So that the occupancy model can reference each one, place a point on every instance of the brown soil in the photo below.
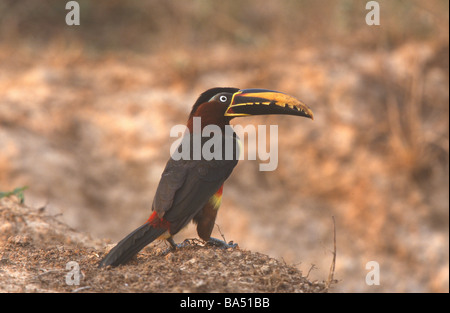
(36, 251)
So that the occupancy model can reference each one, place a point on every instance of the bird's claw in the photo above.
(222, 244)
(173, 246)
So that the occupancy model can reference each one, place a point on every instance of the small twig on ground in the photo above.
(220, 232)
(330, 279)
(46, 272)
(81, 289)
(313, 267)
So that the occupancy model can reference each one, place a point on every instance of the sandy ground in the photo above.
(41, 254)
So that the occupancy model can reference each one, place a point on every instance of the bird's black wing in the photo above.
(187, 185)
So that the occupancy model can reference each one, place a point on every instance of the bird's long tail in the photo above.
(135, 242)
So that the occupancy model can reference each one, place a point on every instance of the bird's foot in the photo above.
(191, 242)
(222, 244)
(173, 246)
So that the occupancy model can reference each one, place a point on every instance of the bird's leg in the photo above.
(172, 243)
(174, 246)
(221, 244)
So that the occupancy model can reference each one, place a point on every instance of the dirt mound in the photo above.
(41, 254)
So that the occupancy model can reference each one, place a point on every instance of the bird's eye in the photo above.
(223, 98)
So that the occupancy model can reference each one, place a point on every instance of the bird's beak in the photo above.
(248, 102)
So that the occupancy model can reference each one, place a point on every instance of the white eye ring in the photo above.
(223, 98)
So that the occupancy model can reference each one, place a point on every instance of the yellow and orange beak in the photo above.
(249, 102)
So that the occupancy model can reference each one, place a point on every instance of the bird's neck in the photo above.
(209, 115)
(201, 123)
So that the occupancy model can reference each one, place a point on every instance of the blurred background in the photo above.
(85, 115)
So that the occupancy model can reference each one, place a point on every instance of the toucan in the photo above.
(191, 187)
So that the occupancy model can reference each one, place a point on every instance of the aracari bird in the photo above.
(190, 189)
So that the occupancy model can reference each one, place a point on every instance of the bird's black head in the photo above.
(210, 93)
(219, 105)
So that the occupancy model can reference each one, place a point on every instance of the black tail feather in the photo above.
(131, 245)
